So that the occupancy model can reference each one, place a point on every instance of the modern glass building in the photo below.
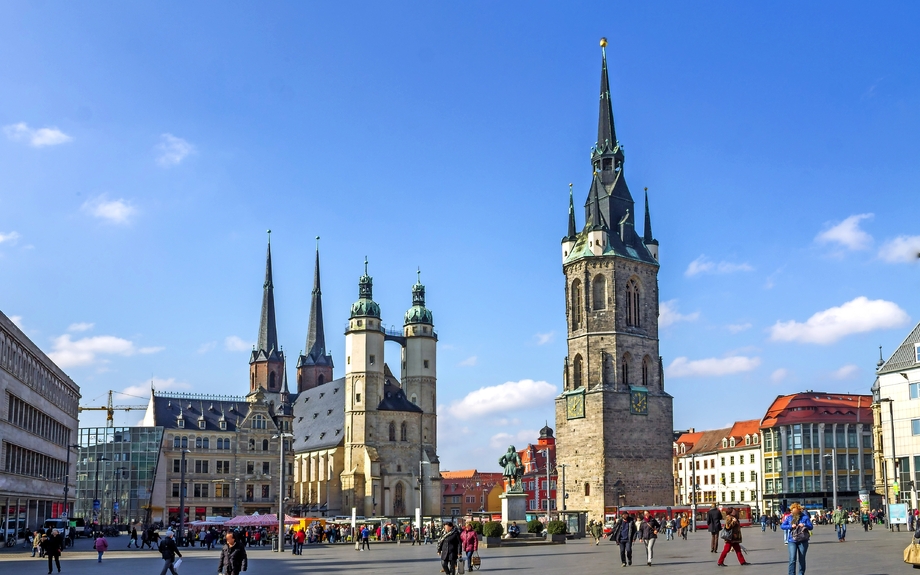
(116, 467)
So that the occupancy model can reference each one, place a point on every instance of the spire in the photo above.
(316, 338)
(606, 134)
(647, 236)
(268, 334)
(572, 235)
(597, 222)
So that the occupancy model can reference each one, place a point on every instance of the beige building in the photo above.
(38, 423)
(613, 419)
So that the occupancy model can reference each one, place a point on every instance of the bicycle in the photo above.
(11, 540)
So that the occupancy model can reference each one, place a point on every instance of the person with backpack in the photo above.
(169, 551)
(648, 534)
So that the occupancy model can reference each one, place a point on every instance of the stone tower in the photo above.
(315, 367)
(266, 364)
(613, 418)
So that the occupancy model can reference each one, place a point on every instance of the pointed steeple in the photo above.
(597, 220)
(647, 235)
(268, 333)
(316, 338)
(606, 133)
(573, 234)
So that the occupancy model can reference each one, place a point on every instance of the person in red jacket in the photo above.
(469, 543)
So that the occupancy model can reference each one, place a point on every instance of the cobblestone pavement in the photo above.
(877, 552)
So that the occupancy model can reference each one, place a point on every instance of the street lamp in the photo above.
(564, 494)
(117, 473)
(96, 506)
(546, 455)
(894, 461)
(833, 457)
(182, 497)
(281, 437)
(67, 478)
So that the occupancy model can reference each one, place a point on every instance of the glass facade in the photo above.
(117, 467)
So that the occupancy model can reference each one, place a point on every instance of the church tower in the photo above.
(266, 364)
(614, 420)
(315, 368)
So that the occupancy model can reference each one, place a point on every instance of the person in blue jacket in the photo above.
(798, 527)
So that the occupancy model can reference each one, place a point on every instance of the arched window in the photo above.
(632, 303)
(271, 380)
(576, 304)
(197, 443)
(320, 380)
(264, 445)
(587, 489)
(399, 506)
(645, 371)
(402, 432)
(576, 372)
(177, 442)
(184, 442)
(624, 369)
(252, 445)
(599, 292)
(392, 431)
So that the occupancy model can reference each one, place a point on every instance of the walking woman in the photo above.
(469, 542)
(732, 524)
(100, 545)
(798, 525)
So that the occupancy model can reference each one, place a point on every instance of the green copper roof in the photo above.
(365, 306)
(418, 313)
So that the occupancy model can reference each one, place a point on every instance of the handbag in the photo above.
(177, 562)
(912, 553)
(460, 566)
(726, 534)
(476, 560)
(799, 533)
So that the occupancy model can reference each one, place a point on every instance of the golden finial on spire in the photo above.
(603, 42)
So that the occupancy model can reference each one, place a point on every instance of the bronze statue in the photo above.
(512, 470)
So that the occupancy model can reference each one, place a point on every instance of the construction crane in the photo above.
(110, 409)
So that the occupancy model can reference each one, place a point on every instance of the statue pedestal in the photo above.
(514, 508)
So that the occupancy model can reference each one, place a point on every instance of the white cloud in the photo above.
(10, 237)
(469, 362)
(848, 371)
(779, 375)
(847, 233)
(523, 437)
(901, 250)
(544, 338)
(683, 367)
(511, 395)
(83, 326)
(86, 351)
(857, 316)
(173, 150)
(17, 320)
(36, 138)
(143, 389)
(118, 211)
(668, 314)
(703, 264)
(739, 327)
(234, 343)
(206, 347)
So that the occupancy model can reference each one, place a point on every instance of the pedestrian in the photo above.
(233, 559)
(449, 548)
(763, 522)
(684, 525)
(36, 544)
(799, 526)
(624, 532)
(133, 538)
(597, 531)
(52, 546)
(714, 525)
(365, 538)
(669, 529)
(301, 537)
(734, 541)
(168, 551)
(648, 534)
(101, 545)
(469, 541)
(840, 522)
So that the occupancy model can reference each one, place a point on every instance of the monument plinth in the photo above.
(514, 508)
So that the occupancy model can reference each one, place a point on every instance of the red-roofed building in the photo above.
(809, 436)
(534, 458)
(467, 492)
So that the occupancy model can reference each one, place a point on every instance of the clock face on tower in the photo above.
(575, 406)
(638, 402)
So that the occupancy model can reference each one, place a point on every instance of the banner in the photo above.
(897, 513)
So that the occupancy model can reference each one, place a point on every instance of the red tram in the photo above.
(661, 512)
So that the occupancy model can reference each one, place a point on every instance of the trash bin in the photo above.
(274, 543)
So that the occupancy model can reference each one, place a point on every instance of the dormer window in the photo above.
(756, 439)
(202, 424)
(747, 439)
(731, 442)
(181, 423)
(223, 426)
(724, 443)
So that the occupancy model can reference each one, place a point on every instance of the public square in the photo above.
(874, 553)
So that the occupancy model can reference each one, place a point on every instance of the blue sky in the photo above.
(146, 148)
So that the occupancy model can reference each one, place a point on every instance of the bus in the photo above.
(743, 513)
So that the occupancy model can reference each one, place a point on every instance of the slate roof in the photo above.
(394, 398)
(268, 333)
(316, 338)
(167, 407)
(818, 407)
(905, 357)
(319, 417)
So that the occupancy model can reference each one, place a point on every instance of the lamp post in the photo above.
(894, 462)
(115, 507)
(693, 493)
(833, 457)
(182, 497)
(67, 477)
(564, 494)
(96, 506)
(281, 437)
(546, 455)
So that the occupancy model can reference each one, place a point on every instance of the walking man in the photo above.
(624, 531)
(168, 551)
(233, 559)
(648, 534)
(714, 525)
(133, 538)
(52, 546)
(449, 548)
(840, 522)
